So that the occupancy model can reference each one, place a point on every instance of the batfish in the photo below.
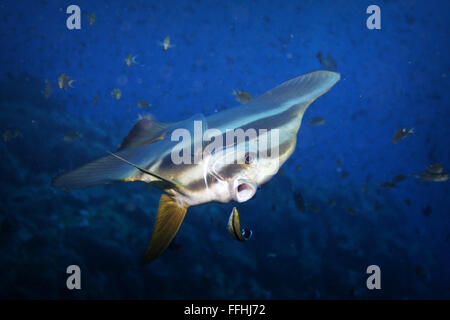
(152, 150)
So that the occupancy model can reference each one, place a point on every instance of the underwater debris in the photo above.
(91, 18)
(447, 237)
(242, 96)
(299, 201)
(427, 211)
(64, 81)
(143, 104)
(434, 173)
(327, 62)
(271, 255)
(130, 60)
(8, 135)
(116, 93)
(234, 227)
(401, 134)
(72, 135)
(47, 89)
(316, 121)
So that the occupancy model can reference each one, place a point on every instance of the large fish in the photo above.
(147, 154)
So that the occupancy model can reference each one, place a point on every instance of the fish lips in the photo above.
(243, 189)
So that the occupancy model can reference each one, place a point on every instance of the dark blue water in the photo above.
(391, 78)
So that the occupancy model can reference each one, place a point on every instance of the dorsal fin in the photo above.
(146, 131)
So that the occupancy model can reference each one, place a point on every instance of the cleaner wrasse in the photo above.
(147, 154)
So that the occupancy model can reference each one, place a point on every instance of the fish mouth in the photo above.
(244, 190)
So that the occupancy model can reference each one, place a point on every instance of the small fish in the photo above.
(271, 255)
(408, 202)
(435, 168)
(399, 178)
(47, 90)
(327, 62)
(427, 211)
(364, 188)
(116, 93)
(314, 208)
(65, 82)
(242, 96)
(299, 201)
(234, 227)
(143, 104)
(72, 135)
(95, 100)
(351, 211)
(345, 174)
(401, 134)
(338, 162)
(91, 18)
(388, 185)
(166, 44)
(8, 135)
(298, 167)
(434, 177)
(331, 203)
(447, 237)
(317, 121)
(130, 60)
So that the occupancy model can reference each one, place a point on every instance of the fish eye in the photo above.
(249, 158)
(246, 233)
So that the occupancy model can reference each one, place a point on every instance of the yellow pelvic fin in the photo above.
(168, 220)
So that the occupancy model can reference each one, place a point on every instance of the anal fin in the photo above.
(168, 220)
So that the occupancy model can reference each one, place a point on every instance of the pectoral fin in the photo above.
(168, 220)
